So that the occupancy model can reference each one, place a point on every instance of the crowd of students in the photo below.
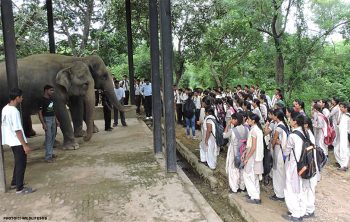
(257, 127)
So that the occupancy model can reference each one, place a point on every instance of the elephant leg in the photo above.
(27, 125)
(66, 127)
(95, 129)
(76, 107)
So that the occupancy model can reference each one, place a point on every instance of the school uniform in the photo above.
(209, 153)
(342, 154)
(235, 175)
(278, 169)
(254, 168)
(320, 129)
(299, 193)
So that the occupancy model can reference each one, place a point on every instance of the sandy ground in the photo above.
(114, 177)
(332, 192)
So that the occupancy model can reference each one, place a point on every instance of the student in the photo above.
(295, 195)
(125, 85)
(208, 147)
(147, 93)
(341, 152)
(257, 110)
(253, 160)
(138, 96)
(334, 117)
(299, 106)
(309, 186)
(278, 144)
(325, 107)
(120, 94)
(12, 134)
(320, 127)
(263, 106)
(236, 134)
(189, 111)
(48, 120)
(276, 97)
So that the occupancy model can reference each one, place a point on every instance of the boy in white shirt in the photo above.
(13, 135)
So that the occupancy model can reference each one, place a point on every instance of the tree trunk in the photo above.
(180, 70)
(279, 64)
(87, 23)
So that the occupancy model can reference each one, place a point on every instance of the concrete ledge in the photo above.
(201, 169)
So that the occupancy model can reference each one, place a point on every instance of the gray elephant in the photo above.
(79, 78)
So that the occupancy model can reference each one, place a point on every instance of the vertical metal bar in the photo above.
(130, 51)
(156, 98)
(50, 26)
(167, 53)
(11, 66)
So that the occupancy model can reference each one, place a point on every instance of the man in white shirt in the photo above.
(138, 96)
(13, 136)
(146, 90)
(125, 85)
(120, 94)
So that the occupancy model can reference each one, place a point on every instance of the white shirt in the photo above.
(120, 93)
(124, 84)
(137, 90)
(11, 122)
(197, 101)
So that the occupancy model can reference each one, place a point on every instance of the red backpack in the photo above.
(328, 140)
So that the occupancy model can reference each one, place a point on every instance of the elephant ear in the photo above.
(63, 78)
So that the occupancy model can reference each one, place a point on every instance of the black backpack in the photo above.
(189, 109)
(219, 133)
(306, 166)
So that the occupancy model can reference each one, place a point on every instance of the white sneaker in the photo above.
(151, 117)
(147, 117)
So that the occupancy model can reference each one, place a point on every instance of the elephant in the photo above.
(76, 88)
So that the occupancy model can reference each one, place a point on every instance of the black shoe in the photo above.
(290, 218)
(310, 215)
(125, 124)
(240, 190)
(253, 201)
(275, 198)
(109, 129)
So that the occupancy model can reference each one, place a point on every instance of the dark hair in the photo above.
(326, 104)
(248, 105)
(256, 118)
(190, 94)
(279, 90)
(336, 100)
(280, 115)
(229, 101)
(116, 82)
(300, 102)
(238, 117)
(343, 104)
(308, 121)
(300, 119)
(46, 87)
(209, 110)
(14, 92)
(317, 107)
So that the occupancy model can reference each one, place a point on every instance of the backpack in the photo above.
(328, 140)
(242, 144)
(189, 109)
(220, 113)
(219, 131)
(306, 166)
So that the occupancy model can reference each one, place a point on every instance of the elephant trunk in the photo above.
(89, 112)
(113, 99)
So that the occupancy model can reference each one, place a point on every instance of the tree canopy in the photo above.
(273, 43)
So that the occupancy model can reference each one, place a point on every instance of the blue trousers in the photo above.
(50, 135)
(191, 122)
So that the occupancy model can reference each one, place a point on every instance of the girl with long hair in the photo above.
(253, 160)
